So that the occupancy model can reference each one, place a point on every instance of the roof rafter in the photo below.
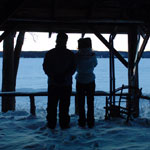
(52, 6)
(92, 5)
(11, 9)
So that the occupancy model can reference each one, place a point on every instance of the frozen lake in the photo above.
(32, 77)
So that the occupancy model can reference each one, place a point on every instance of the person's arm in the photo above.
(94, 60)
(46, 65)
(72, 67)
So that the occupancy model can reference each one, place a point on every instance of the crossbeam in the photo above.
(107, 44)
(45, 93)
(11, 9)
(5, 34)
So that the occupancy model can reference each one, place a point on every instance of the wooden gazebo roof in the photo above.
(74, 15)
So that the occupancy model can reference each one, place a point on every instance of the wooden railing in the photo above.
(32, 95)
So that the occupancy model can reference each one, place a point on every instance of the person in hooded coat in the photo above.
(86, 61)
(59, 65)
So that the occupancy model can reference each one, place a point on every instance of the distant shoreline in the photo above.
(100, 54)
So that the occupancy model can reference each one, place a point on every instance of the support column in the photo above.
(8, 103)
(10, 67)
(17, 52)
(133, 80)
(112, 69)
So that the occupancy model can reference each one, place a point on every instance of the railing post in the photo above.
(76, 105)
(32, 105)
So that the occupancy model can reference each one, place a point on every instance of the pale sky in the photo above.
(40, 41)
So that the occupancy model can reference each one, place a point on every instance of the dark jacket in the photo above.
(59, 65)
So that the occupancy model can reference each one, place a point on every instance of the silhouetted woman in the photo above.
(85, 81)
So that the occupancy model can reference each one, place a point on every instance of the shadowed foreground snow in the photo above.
(21, 131)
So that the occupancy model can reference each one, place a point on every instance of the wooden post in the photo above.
(10, 67)
(112, 69)
(133, 41)
(8, 103)
(76, 105)
(17, 52)
(32, 105)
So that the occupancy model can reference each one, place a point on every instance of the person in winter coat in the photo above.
(85, 81)
(59, 65)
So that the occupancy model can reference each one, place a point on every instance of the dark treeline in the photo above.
(101, 54)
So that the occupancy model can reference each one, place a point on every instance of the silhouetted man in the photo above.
(59, 65)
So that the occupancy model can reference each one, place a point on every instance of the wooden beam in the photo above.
(142, 48)
(106, 43)
(80, 20)
(10, 9)
(142, 33)
(112, 67)
(92, 5)
(137, 47)
(126, 8)
(8, 103)
(133, 42)
(97, 93)
(52, 6)
(6, 33)
(133, 79)
(17, 51)
(32, 105)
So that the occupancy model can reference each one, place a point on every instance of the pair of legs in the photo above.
(59, 95)
(82, 91)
